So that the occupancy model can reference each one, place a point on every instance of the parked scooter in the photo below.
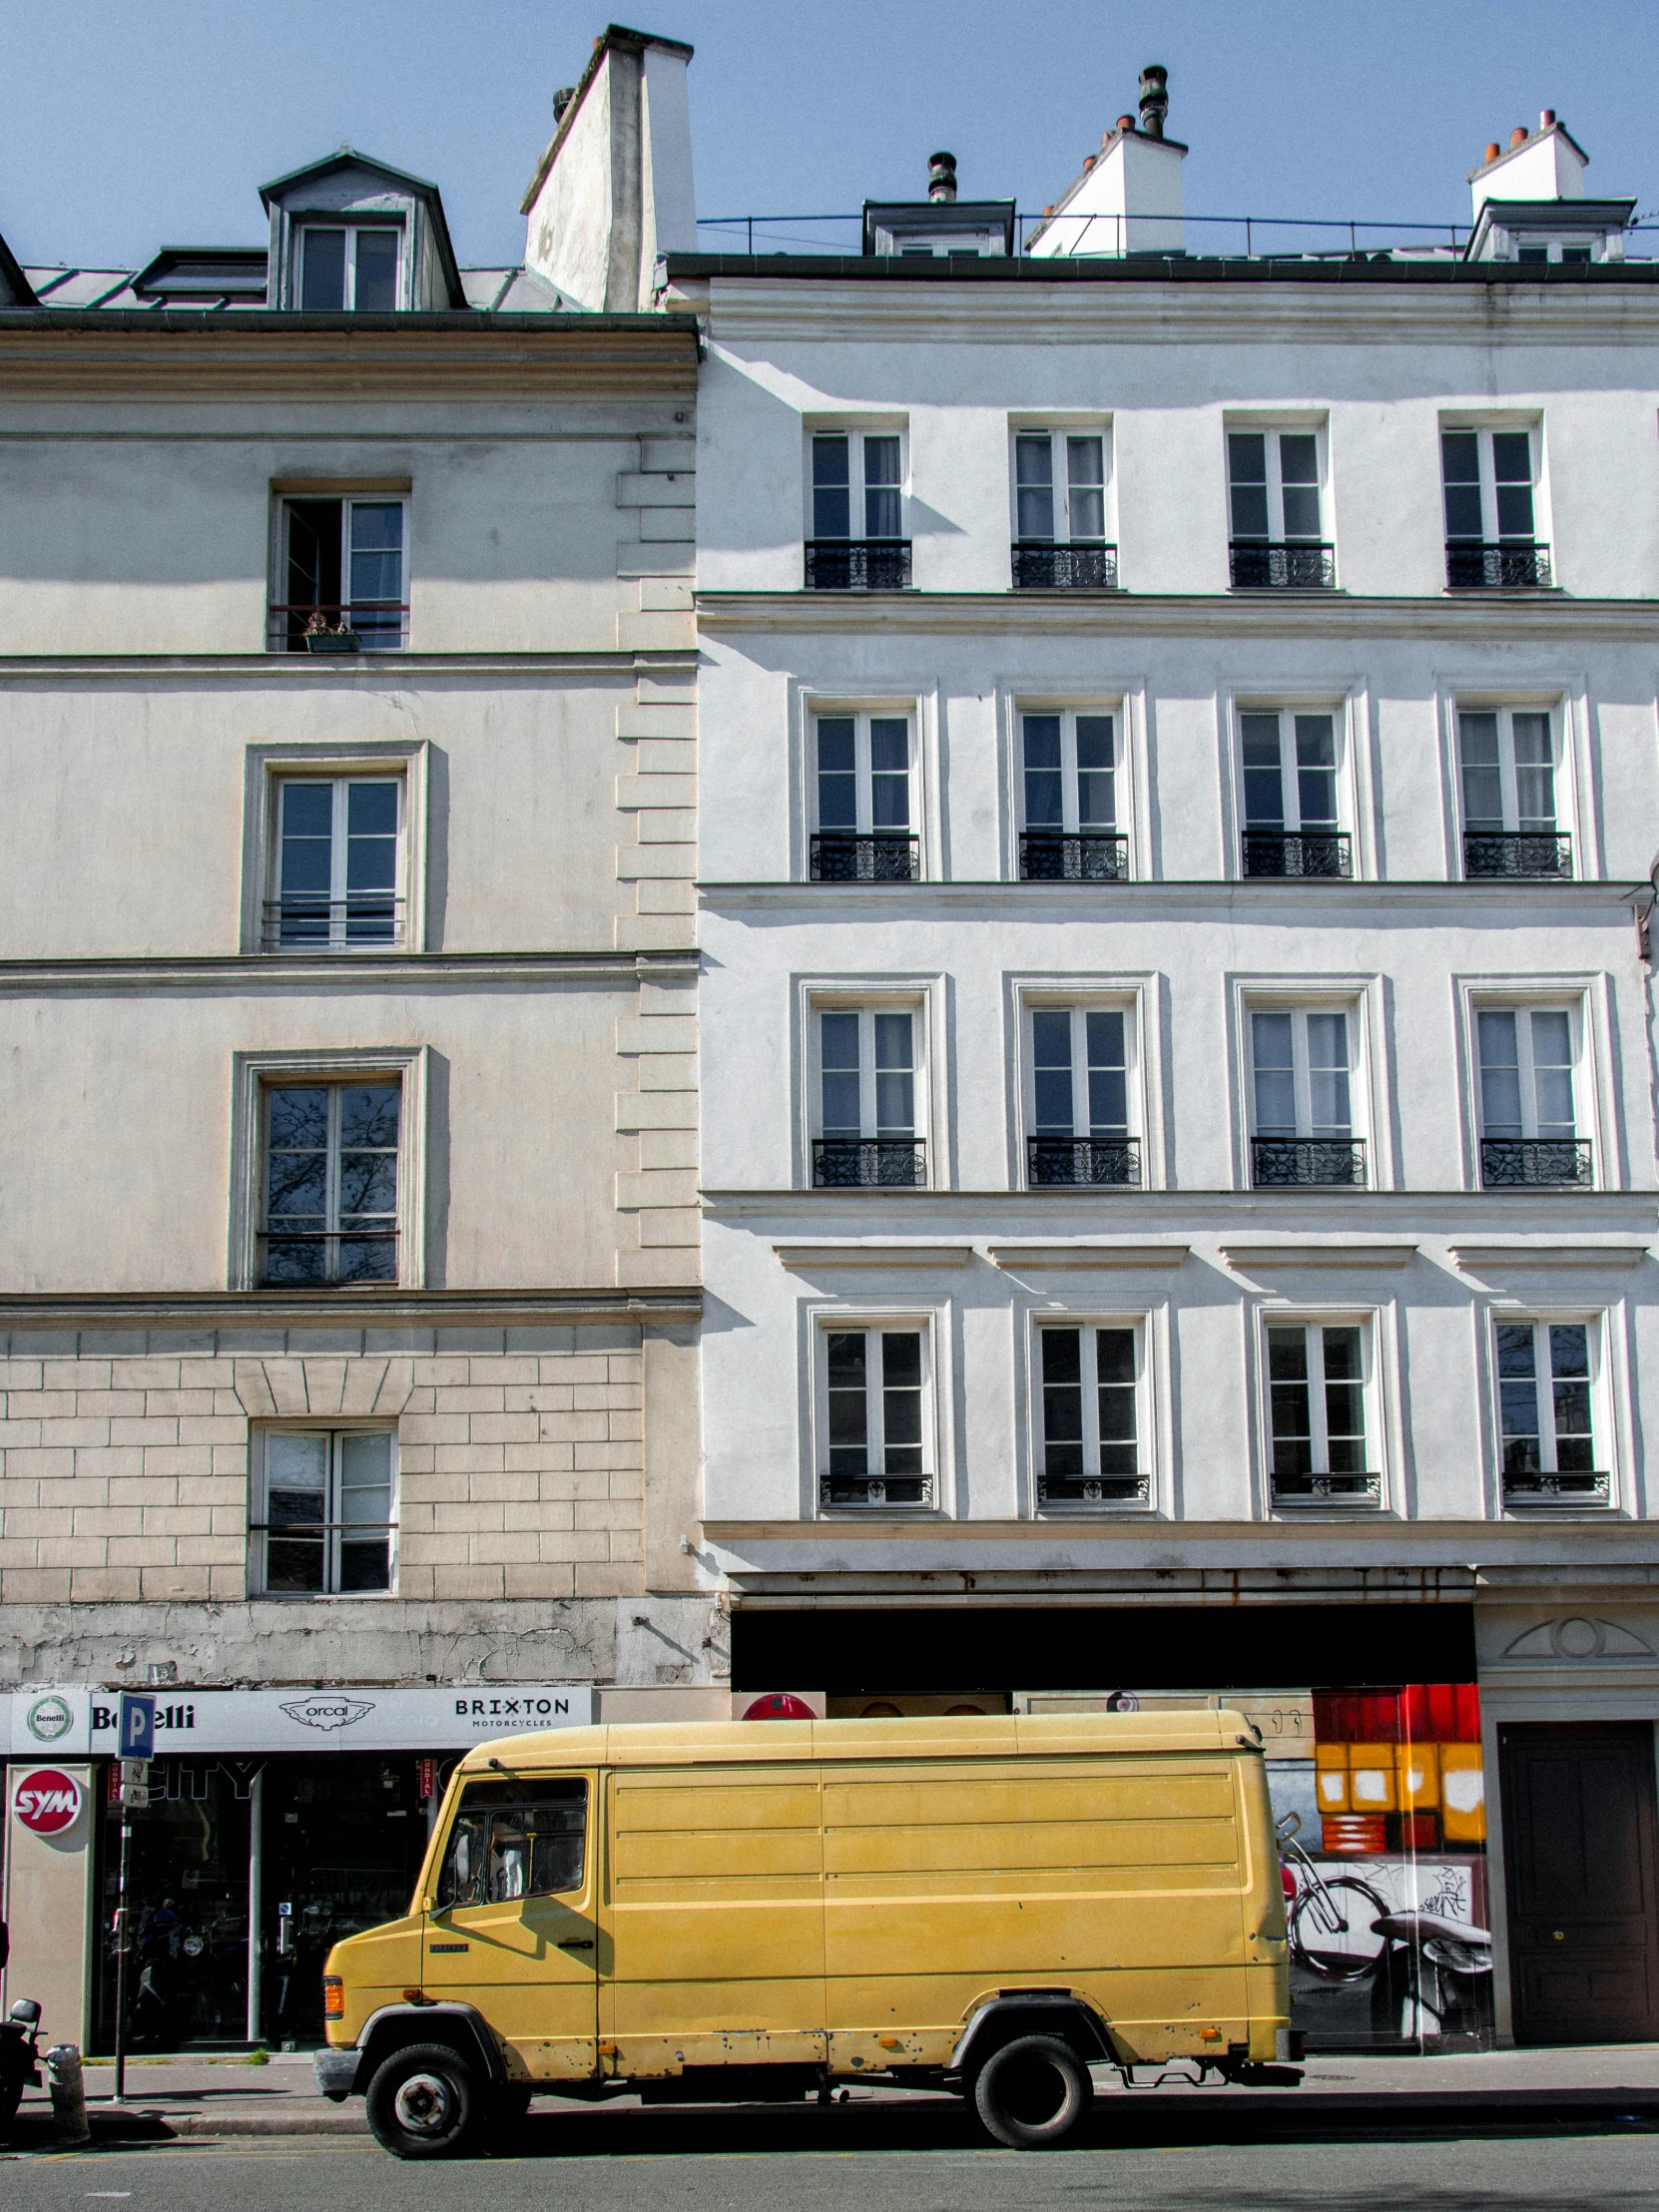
(19, 2057)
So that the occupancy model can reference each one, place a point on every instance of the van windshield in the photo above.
(515, 1838)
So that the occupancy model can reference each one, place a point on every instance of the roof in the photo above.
(181, 278)
(13, 278)
(615, 35)
(1142, 268)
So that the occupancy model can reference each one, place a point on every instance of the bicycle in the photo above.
(1344, 1911)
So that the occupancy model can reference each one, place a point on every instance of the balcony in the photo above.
(1073, 856)
(1319, 852)
(1514, 1162)
(1302, 1163)
(856, 856)
(1257, 565)
(1039, 566)
(1062, 1494)
(1327, 1490)
(1518, 565)
(1529, 1489)
(369, 921)
(1493, 854)
(858, 564)
(1083, 1161)
(865, 1491)
(868, 1162)
(365, 626)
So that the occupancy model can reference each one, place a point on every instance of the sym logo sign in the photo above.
(328, 1713)
(48, 1801)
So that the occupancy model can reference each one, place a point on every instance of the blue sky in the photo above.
(134, 123)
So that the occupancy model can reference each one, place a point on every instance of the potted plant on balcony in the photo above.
(323, 636)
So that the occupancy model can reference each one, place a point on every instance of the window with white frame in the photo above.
(336, 864)
(867, 1081)
(1078, 1070)
(1090, 1416)
(353, 266)
(1291, 794)
(1302, 1080)
(1507, 774)
(1277, 535)
(1069, 797)
(856, 538)
(1528, 1110)
(863, 801)
(1546, 1385)
(875, 1415)
(1061, 518)
(327, 1528)
(331, 1160)
(1318, 1387)
(343, 570)
(1489, 477)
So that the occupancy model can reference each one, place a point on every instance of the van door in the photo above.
(513, 1929)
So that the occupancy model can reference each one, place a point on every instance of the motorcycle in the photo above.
(19, 2057)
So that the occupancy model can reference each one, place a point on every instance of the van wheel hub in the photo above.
(425, 2104)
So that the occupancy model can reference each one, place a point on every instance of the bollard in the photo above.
(69, 2096)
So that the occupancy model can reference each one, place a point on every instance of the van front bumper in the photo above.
(336, 2073)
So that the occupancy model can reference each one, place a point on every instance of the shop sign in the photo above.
(48, 1801)
(197, 1722)
(50, 1717)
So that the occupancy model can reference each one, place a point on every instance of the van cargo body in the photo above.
(704, 1908)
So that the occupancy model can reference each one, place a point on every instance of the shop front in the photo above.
(278, 1821)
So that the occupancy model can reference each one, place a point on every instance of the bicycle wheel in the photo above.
(1348, 1952)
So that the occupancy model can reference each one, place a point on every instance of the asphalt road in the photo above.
(923, 2158)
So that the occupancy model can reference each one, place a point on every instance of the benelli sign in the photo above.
(48, 1801)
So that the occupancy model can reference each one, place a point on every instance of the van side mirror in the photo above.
(26, 2011)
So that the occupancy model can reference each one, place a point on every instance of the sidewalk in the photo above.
(172, 2098)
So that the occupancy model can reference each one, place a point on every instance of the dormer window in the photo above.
(348, 268)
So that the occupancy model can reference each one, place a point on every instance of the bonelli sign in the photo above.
(79, 1723)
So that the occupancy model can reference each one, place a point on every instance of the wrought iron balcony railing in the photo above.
(865, 857)
(1066, 1493)
(865, 1490)
(1083, 1160)
(367, 921)
(1073, 856)
(858, 564)
(1328, 1489)
(362, 626)
(1506, 1163)
(1287, 1162)
(1298, 852)
(1492, 852)
(1257, 565)
(1519, 566)
(868, 1162)
(1039, 566)
(1534, 1488)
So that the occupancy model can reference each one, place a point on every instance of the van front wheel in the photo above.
(423, 2102)
(1034, 2092)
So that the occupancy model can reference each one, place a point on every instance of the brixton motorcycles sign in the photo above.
(46, 1802)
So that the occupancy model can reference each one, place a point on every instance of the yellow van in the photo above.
(765, 1910)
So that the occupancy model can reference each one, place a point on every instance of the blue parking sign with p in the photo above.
(137, 1725)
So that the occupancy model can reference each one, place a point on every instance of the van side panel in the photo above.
(716, 1918)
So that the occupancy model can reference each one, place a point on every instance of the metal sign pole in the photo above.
(121, 1957)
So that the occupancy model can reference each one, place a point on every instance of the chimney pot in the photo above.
(941, 175)
(561, 100)
(1546, 121)
(1493, 150)
(1089, 160)
(1125, 123)
(1154, 99)
(1517, 136)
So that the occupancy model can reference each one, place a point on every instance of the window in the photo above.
(329, 1524)
(1490, 524)
(867, 1099)
(1528, 1120)
(1291, 804)
(1302, 1072)
(1079, 1091)
(1091, 1390)
(1274, 495)
(354, 268)
(1060, 511)
(336, 856)
(1069, 800)
(343, 570)
(330, 1181)
(1316, 1403)
(862, 792)
(875, 1415)
(1506, 763)
(857, 537)
(524, 1836)
(1545, 1386)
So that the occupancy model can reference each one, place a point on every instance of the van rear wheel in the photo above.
(1032, 2093)
(424, 2102)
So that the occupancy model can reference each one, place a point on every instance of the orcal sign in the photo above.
(48, 1801)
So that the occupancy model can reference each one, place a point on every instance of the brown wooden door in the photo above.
(1579, 1858)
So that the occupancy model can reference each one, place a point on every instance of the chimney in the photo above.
(1154, 99)
(941, 175)
(1517, 136)
(1544, 164)
(561, 100)
(1128, 198)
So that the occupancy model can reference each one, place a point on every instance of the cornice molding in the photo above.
(1605, 897)
(343, 1309)
(1265, 1258)
(811, 1259)
(1505, 1258)
(386, 971)
(394, 671)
